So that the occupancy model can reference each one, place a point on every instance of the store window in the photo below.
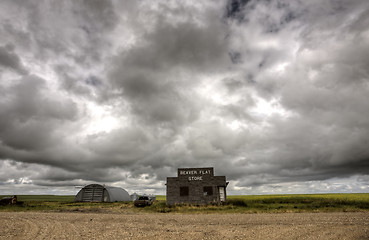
(208, 190)
(184, 191)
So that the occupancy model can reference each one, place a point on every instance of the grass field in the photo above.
(44, 198)
(234, 204)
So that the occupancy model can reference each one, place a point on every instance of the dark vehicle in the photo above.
(9, 200)
(143, 201)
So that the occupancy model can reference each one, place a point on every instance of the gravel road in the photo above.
(50, 225)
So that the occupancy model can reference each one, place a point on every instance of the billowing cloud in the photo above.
(270, 93)
(8, 59)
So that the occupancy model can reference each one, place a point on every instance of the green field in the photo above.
(234, 204)
(44, 198)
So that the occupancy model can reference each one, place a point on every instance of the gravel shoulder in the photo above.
(51, 225)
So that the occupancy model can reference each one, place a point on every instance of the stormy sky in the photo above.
(272, 94)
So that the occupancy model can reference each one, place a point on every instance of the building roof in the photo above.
(102, 193)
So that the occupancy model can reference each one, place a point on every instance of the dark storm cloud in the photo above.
(153, 76)
(326, 135)
(272, 94)
(30, 120)
(235, 9)
(76, 26)
(9, 59)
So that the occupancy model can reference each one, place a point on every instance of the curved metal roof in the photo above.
(117, 193)
(101, 193)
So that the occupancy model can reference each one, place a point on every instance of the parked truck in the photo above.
(143, 201)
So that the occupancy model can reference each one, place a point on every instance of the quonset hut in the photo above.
(101, 193)
(196, 186)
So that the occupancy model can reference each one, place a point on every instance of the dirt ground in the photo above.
(49, 225)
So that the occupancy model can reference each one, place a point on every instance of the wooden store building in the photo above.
(196, 186)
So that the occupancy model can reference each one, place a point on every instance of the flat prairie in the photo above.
(133, 225)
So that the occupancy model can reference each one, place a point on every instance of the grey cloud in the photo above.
(176, 50)
(9, 59)
(72, 81)
(99, 14)
(185, 44)
(123, 145)
(93, 81)
(235, 8)
(73, 30)
(320, 139)
(28, 115)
